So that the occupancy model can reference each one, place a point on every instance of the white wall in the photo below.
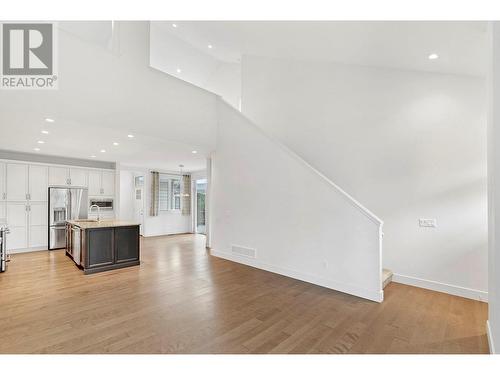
(494, 189)
(406, 144)
(167, 222)
(126, 195)
(265, 198)
(226, 82)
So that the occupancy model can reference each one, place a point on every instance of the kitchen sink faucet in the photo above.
(98, 211)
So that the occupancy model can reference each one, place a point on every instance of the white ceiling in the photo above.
(462, 46)
(105, 94)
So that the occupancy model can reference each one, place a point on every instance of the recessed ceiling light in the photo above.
(174, 25)
(433, 56)
(209, 46)
(103, 150)
(130, 136)
(36, 149)
(178, 70)
(49, 120)
(45, 132)
(41, 142)
(115, 143)
(194, 152)
(92, 156)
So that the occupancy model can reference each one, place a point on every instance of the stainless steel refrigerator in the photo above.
(65, 204)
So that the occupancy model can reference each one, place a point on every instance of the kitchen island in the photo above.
(104, 245)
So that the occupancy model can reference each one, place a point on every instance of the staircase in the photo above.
(386, 277)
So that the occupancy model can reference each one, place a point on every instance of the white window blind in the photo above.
(164, 193)
(176, 194)
(170, 192)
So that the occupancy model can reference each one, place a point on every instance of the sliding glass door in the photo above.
(201, 193)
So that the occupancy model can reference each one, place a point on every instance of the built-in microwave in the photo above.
(103, 203)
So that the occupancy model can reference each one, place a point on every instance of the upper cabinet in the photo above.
(58, 176)
(78, 177)
(62, 176)
(38, 183)
(29, 182)
(95, 182)
(17, 182)
(108, 183)
(101, 183)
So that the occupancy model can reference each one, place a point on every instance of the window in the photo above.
(164, 192)
(170, 192)
(139, 181)
(176, 194)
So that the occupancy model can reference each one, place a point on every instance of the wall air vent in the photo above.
(244, 251)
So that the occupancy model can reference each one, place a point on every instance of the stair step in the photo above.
(386, 277)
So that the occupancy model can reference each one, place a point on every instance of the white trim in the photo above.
(455, 290)
(490, 338)
(46, 164)
(377, 296)
(27, 250)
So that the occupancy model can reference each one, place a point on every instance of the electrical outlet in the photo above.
(427, 223)
(325, 264)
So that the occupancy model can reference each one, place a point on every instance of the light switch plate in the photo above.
(427, 223)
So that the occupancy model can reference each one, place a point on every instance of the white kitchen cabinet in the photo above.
(95, 183)
(27, 224)
(17, 182)
(78, 177)
(108, 183)
(38, 213)
(62, 176)
(58, 176)
(37, 217)
(3, 195)
(38, 236)
(102, 183)
(17, 238)
(17, 220)
(38, 183)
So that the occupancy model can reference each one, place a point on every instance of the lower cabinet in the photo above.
(17, 220)
(38, 221)
(126, 244)
(108, 248)
(100, 247)
(28, 225)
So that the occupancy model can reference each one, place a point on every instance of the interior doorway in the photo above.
(200, 205)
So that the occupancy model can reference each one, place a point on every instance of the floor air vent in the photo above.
(245, 251)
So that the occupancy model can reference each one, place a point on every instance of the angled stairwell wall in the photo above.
(273, 211)
(407, 144)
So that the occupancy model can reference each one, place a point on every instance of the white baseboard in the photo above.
(377, 296)
(490, 338)
(28, 250)
(455, 290)
(164, 234)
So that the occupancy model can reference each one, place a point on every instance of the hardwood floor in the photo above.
(181, 300)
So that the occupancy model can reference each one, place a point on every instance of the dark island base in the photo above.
(104, 246)
(111, 267)
(105, 268)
